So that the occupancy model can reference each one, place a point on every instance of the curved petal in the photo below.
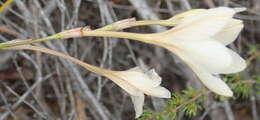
(154, 76)
(229, 32)
(132, 90)
(211, 55)
(139, 79)
(238, 64)
(211, 82)
(148, 82)
(160, 92)
(178, 19)
(200, 26)
(138, 102)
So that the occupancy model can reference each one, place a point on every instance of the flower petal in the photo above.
(178, 19)
(129, 88)
(148, 82)
(160, 92)
(211, 82)
(201, 26)
(229, 32)
(209, 54)
(237, 65)
(151, 74)
(139, 79)
(154, 76)
(138, 102)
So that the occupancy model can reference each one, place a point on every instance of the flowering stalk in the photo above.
(13, 43)
(199, 39)
(131, 22)
(78, 32)
(119, 25)
(107, 31)
(134, 81)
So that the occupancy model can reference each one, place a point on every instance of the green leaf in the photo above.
(242, 89)
(190, 109)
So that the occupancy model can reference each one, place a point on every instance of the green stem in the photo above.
(101, 33)
(24, 42)
(133, 36)
(95, 33)
(89, 67)
(127, 23)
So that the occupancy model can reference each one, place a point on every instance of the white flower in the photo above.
(137, 83)
(200, 40)
(134, 81)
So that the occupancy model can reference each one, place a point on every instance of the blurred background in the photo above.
(36, 86)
